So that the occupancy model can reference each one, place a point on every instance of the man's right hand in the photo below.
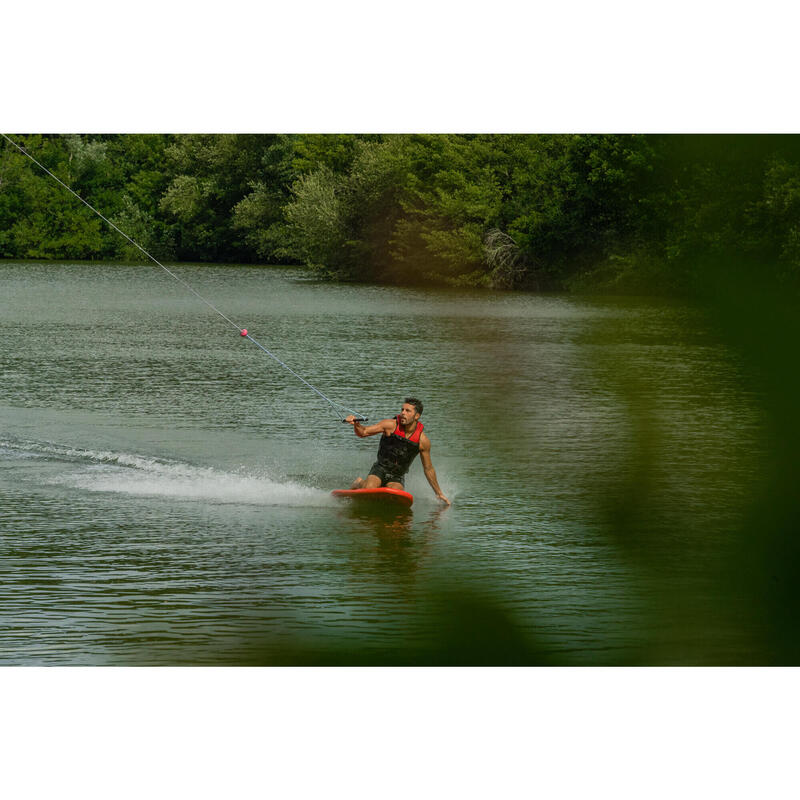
(358, 428)
(362, 430)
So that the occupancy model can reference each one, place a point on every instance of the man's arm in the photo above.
(361, 431)
(427, 465)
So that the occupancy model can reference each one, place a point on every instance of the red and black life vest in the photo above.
(397, 451)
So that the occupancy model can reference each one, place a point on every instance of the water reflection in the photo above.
(403, 538)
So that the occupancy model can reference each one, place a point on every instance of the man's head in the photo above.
(410, 411)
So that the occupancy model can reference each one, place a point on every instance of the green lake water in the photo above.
(165, 486)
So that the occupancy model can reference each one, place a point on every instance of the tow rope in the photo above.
(338, 408)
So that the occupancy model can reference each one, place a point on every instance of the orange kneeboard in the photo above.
(389, 496)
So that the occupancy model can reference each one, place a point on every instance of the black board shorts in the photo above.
(386, 474)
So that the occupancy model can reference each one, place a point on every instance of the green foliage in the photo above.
(212, 174)
(342, 222)
(613, 213)
(259, 214)
(406, 209)
(38, 217)
(317, 217)
(334, 150)
(118, 175)
(451, 198)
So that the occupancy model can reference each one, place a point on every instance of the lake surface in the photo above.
(165, 485)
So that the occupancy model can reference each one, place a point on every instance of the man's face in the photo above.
(408, 414)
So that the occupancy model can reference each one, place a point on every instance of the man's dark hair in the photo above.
(412, 401)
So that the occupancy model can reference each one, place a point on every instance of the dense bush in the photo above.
(617, 213)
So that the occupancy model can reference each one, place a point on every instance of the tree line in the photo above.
(577, 212)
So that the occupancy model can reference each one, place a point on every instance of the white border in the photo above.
(424, 65)
(398, 733)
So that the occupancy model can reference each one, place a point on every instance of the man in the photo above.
(400, 443)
